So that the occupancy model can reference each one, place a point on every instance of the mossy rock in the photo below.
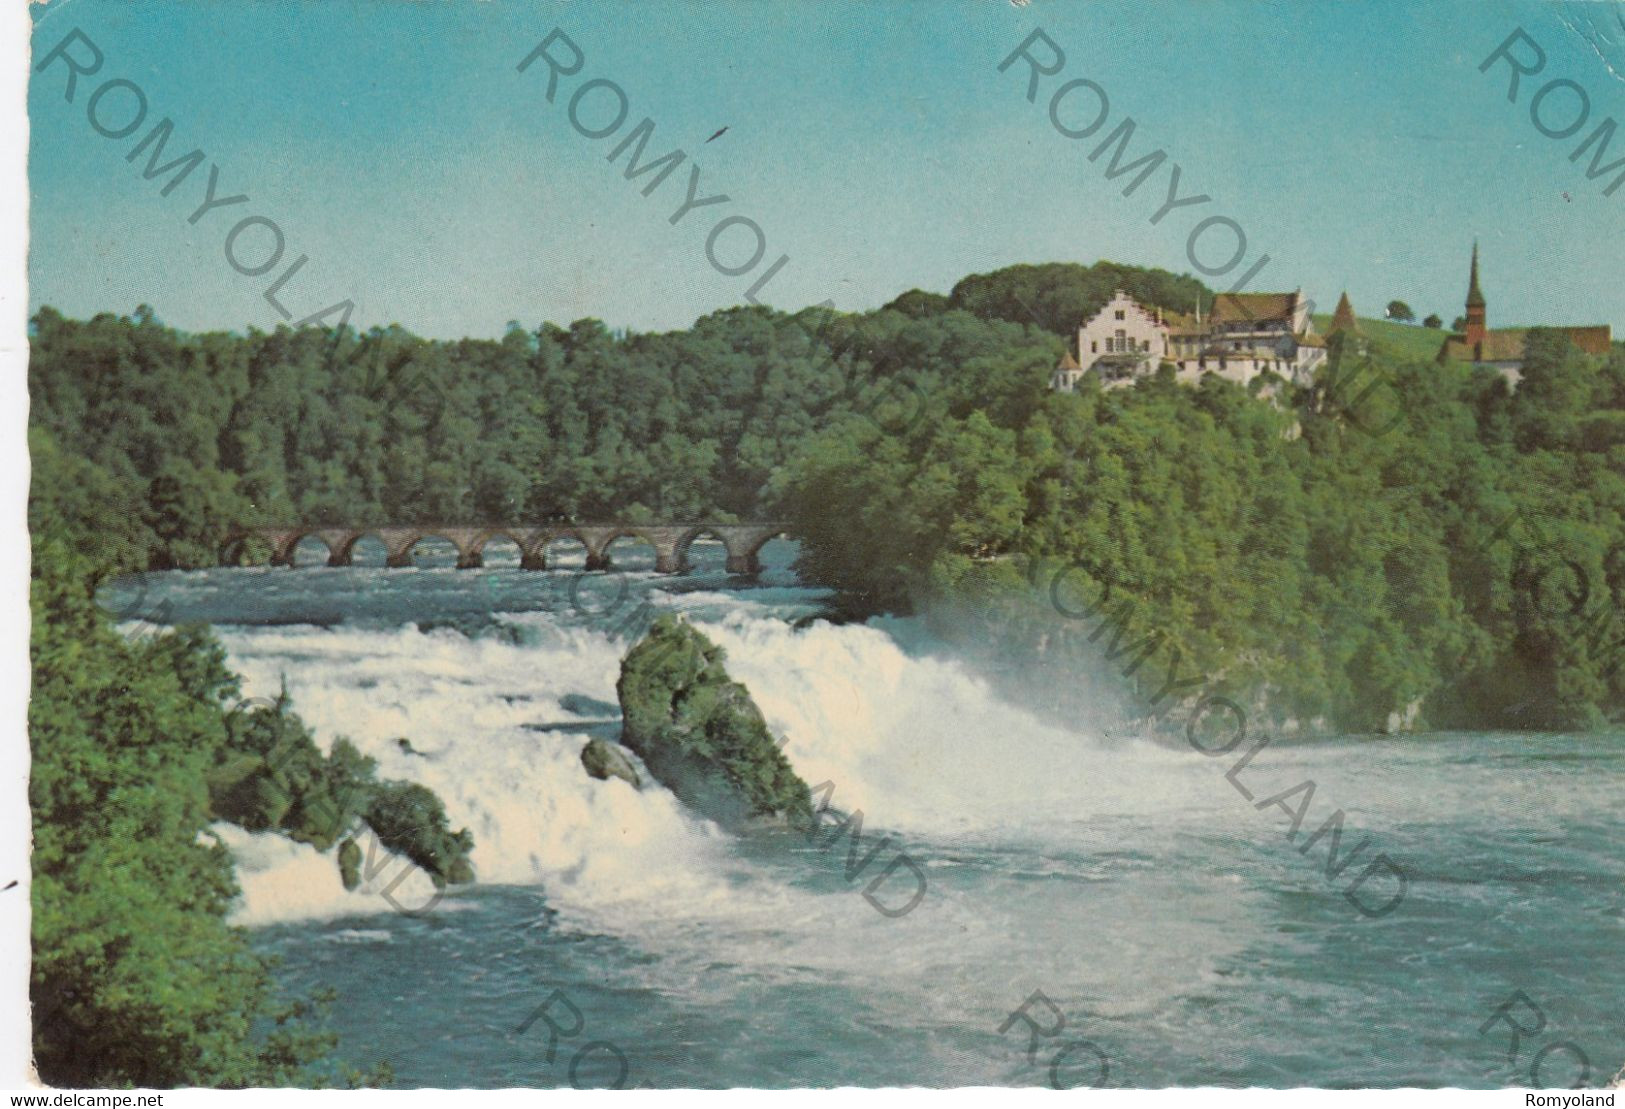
(604, 760)
(699, 732)
(350, 864)
(410, 820)
(272, 777)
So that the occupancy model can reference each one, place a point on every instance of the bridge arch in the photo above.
(402, 542)
(307, 543)
(660, 546)
(497, 538)
(285, 544)
(671, 542)
(245, 548)
(345, 554)
(597, 538)
(341, 551)
(694, 534)
(554, 544)
(742, 542)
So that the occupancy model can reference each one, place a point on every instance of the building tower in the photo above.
(1343, 319)
(1475, 306)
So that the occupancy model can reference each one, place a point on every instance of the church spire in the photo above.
(1475, 296)
(1343, 319)
(1476, 329)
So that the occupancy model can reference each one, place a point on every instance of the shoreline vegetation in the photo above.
(1463, 568)
(1425, 547)
(137, 980)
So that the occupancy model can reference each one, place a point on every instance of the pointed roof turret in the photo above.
(1343, 319)
(1475, 296)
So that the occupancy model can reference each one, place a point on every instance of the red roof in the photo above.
(1254, 307)
(1593, 340)
(1506, 344)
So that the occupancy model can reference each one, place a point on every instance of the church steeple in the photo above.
(1475, 305)
(1343, 319)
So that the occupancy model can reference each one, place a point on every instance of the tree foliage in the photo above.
(136, 979)
(1340, 556)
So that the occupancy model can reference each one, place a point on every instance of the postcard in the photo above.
(673, 545)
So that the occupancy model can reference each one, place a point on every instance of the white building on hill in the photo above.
(1245, 335)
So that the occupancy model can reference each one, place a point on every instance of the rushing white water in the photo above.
(1171, 919)
(919, 744)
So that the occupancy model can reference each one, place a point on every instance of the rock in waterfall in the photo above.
(699, 732)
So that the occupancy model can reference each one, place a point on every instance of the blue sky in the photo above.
(875, 143)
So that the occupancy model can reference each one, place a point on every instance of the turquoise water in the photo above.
(1180, 934)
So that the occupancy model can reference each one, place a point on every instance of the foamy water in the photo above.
(1174, 923)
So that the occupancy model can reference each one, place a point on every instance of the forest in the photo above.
(1445, 551)
(1341, 565)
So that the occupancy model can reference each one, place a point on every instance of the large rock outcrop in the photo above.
(699, 732)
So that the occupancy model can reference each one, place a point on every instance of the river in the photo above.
(1159, 928)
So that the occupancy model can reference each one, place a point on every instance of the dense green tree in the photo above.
(1059, 296)
(137, 980)
(1330, 563)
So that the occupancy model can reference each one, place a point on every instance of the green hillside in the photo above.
(1404, 341)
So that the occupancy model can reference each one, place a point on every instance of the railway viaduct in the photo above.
(670, 542)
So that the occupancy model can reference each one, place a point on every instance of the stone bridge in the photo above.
(670, 542)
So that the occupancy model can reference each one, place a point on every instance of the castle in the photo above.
(1503, 348)
(1248, 334)
(1245, 335)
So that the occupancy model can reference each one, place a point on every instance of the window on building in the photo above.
(1094, 348)
(1119, 316)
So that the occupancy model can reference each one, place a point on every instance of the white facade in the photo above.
(1066, 376)
(1254, 333)
(1248, 334)
(1123, 340)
